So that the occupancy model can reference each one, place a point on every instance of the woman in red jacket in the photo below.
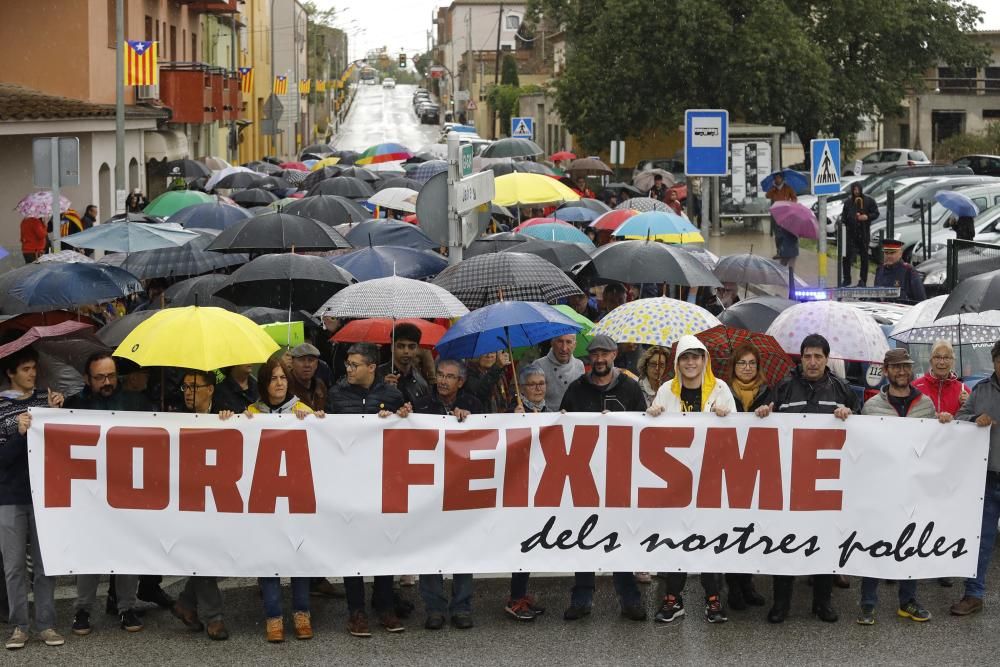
(34, 239)
(940, 383)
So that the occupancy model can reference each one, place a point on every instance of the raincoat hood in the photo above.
(708, 381)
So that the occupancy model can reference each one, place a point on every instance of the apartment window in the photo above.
(112, 24)
(184, 42)
(148, 34)
(156, 34)
(991, 114)
(194, 47)
(513, 21)
(956, 80)
(173, 43)
(992, 78)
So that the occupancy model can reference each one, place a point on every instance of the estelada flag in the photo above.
(246, 79)
(305, 86)
(281, 85)
(140, 63)
(320, 86)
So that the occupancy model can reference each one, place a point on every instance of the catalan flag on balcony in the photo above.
(246, 79)
(281, 85)
(140, 63)
(305, 86)
(320, 86)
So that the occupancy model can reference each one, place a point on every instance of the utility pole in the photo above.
(234, 156)
(496, 72)
(274, 125)
(119, 115)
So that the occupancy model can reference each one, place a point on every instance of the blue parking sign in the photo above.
(824, 173)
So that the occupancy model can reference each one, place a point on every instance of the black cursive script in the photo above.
(725, 542)
(900, 551)
(566, 539)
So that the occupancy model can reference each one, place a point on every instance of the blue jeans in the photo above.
(582, 594)
(869, 591)
(270, 591)
(432, 592)
(976, 588)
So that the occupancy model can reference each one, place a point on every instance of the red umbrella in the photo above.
(721, 340)
(612, 220)
(562, 155)
(540, 221)
(294, 165)
(411, 218)
(25, 321)
(380, 331)
(35, 334)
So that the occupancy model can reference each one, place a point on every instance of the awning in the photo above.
(166, 145)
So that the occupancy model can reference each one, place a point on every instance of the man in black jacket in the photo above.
(402, 371)
(604, 389)
(810, 388)
(449, 396)
(859, 212)
(238, 390)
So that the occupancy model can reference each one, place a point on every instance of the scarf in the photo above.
(745, 391)
(532, 407)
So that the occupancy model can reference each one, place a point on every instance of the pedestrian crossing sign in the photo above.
(522, 127)
(825, 166)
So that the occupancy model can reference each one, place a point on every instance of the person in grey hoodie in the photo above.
(561, 369)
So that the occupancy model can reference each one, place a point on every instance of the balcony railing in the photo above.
(962, 85)
(199, 93)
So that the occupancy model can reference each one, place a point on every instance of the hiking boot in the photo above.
(967, 605)
(825, 612)
(520, 609)
(435, 621)
(357, 625)
(303, 625)
(189, 617)
(18, 638)
(671, 609)
(462, 620)
(81, 622)
(129, 621)
(576, 612)
(275, 629)
(867, 615)
(51, 637)
(913, 611)
(778, 613)
(714, 613)
(157, 596)
(217, 631)
(390, 622)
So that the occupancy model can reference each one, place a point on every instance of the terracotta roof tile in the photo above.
(20, 103)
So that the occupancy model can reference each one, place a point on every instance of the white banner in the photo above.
(791, 494)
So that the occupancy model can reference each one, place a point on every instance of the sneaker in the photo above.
(357, 625)
(130, 621)
(390, 622)
(671, 609)
(435, 621)
(714, 613)
(17, 639)
(967, 605)
(867, 615)
(81, 622)
(535, 607)
(274, 629)
(520, 609)
(157, 596)
(303, 625)
(462, 620)
(913, 611)
(51, 637)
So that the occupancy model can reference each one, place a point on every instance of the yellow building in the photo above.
(255, 52)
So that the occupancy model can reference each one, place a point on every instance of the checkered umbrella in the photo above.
(722, 340)
(643, 204)
(506, 276)
(425, 170)
(295, 176)
(393, 298)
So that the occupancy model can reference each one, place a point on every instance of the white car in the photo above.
(388, 82)
(878, 161)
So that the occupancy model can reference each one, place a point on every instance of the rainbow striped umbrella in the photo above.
(384, 153)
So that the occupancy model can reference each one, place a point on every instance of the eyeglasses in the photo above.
(937, 357)
(451, 377)
(751, 363)
(534, 385)
(104, 377)
(192, 387)
(656, 364)
(351, 366)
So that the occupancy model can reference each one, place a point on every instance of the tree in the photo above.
(504, 99)
(813, 66)
(986, 142)
(508, 71)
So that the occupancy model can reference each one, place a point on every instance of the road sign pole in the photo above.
(455, 247)
(821, 242)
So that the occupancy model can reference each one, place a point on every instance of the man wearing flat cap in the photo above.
(894, 272)
(302, 381)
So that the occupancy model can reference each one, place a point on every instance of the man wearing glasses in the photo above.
(448, 398)
(894, 272)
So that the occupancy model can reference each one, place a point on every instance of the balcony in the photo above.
(217, 81)
(187, 89)
(231, 97)
(211, 6)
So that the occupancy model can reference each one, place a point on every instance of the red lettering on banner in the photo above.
(460, 469)
(807, 468)
(398, 474)
(60, 467)
(196, 475)
(573, 466)
(154, 443)
(761, 459)
(618, 467)
(268, 482)
(653, 444)
(515, 472)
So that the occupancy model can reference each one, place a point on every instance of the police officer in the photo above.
(894, 272)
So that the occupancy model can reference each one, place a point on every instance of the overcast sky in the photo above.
(403, 24)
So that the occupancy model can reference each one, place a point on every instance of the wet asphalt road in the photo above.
(381, 115)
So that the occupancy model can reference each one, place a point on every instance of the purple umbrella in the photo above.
(795, 218)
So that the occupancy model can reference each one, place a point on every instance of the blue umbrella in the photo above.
(957, 203)
(384, 261)
(575, 214)
(505, 324)
(58, 285)
(213, 215)
(378, 233)
(553, 232)
(795, 179)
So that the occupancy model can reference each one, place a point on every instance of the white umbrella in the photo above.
(65, 256)
(398, 199)
(644, 179)
(393, 297)
(854, 334)
(222, 173)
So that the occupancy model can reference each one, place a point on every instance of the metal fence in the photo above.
(970, 258)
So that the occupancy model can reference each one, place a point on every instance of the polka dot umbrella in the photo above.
(853, 334)
(656, 321)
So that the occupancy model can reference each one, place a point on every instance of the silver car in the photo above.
(878, 161)
(987, 225)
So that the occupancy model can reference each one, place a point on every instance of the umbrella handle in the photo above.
(517, 387)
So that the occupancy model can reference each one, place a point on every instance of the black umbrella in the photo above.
(198, 184)
(345, 186)
(190, 259)
(278, 232)
(198, 291)
(275, 182)
(263, 315)
(314, 156)
(360, 173)
(518, 167)
(646, 262)
(375, 232)
(240, 180)
(331, 209)
(512, 147)
(262, 167)
(186, 168)
(748, 268)
(564, 255)
(755, 314)
(298, 282)
(134, 217)
(587, 202)
(316, 177)
(496, 243)
(318, 148)
(113, 333)
(399, 182)
(974, 295)
(211, 215)
(272, 159)
(253, 197)
(505, 276)
(347, 157)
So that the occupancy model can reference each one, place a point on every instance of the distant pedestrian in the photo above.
(136, 201)
(781, 191)
(659, 189)
(673, 202)
(34, 239)
(860, 210)
(964, 227)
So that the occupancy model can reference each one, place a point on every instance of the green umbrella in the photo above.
(583, 337)
(172, 201)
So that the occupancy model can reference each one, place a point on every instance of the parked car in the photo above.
(987, 225)
(430, 113)
(388, 82)
(985, 165)
(673, 165)
(880, 160)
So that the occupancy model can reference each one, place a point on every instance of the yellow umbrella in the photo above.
(325, 162)
(202, 338)
(524, 189)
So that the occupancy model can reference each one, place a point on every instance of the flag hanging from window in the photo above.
(246, 79)
(140, 63)
(320, 86)
(305, 86)
(281, 85)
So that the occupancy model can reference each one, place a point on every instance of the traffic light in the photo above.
(402, 61)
